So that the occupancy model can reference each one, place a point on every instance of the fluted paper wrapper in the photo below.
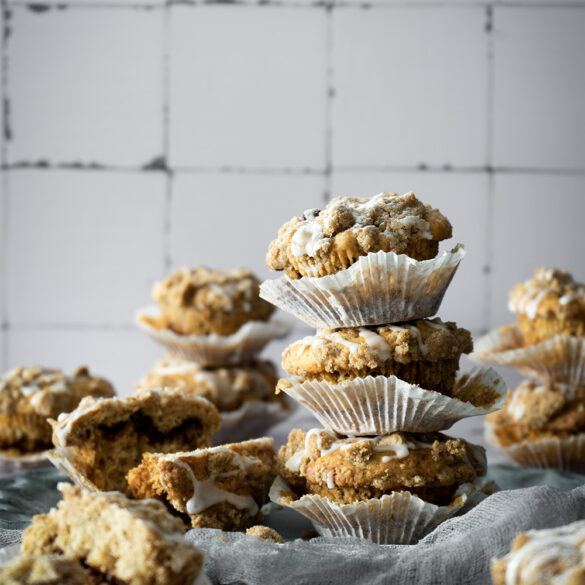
(213, 350)
(251, 420)
(560, 359)
(11, 463)
(547, 453)
(380, 405)
(63, 458)
(396, 518)
(379, 288)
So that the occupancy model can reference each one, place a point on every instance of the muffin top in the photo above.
(544, 557)
(227, 388)
(539, 409)
(370, 348)
(346, 469)
(550, 293)
(350, 227)
(48, 392)
(201, 301)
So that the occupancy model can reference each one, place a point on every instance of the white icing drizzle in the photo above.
(171, 367)
(309, 234)
(351, 345)
(528, 300)
(517, 405)
(531, 560)
(330, 482)
(207, 493)
(376, 343)
(308, 239)
(400, 450)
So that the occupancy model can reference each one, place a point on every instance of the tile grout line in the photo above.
(490, 119)
(166, 138)
(330, 94)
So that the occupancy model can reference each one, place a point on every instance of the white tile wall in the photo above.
(260, 102)
(254, 113)
(86, 86)
(539, 90)
(537, 223)
(230, 219)
(463, 198)
(410, 86)
(85, 247)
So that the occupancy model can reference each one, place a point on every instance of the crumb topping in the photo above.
(550, 291)
(387, 222)
(202, 301)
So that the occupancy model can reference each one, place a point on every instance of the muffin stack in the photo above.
(378, 374)
(543, 421)
(213, 324)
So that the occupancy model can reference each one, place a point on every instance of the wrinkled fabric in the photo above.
(457, 552)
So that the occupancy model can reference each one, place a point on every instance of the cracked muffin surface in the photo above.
(347, 470)
(202, 301)
(322, 242)
(424, 352)
(31, 395)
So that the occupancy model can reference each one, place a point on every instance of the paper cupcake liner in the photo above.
(396, 518)
(11, 463)
(380, 405)
(213, 349)
(251, 420)
(63, 458)
(561, 359)
(547, 453)
(380, 288)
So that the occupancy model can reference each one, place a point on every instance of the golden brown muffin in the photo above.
(322, 242)
(126, 541)
(424, 352)
(99, 442)
(227, 387)
(347, 470)
(201, 301)
(550, 304)
(536, 410)
(221, 487)
(50, 569)
(28, 396)
(552, 556)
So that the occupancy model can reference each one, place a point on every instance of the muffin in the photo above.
(31, 395)
(424, 352)
(552, 556)
(221, 487)
(49, 569)
(100, 441)
(389, 488)
(550, 304)
(226, 387)
(117, 539)
(201, 301)
(542, 424)
(322, 242)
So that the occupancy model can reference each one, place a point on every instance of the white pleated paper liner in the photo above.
(251, 420)
(213, 349)
(380, 405)
(379, 288)
(11, 462)
(561, 358)
(547, 453)
(63, 458)
(395, 518)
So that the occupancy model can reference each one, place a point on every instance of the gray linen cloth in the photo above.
(457, 552)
